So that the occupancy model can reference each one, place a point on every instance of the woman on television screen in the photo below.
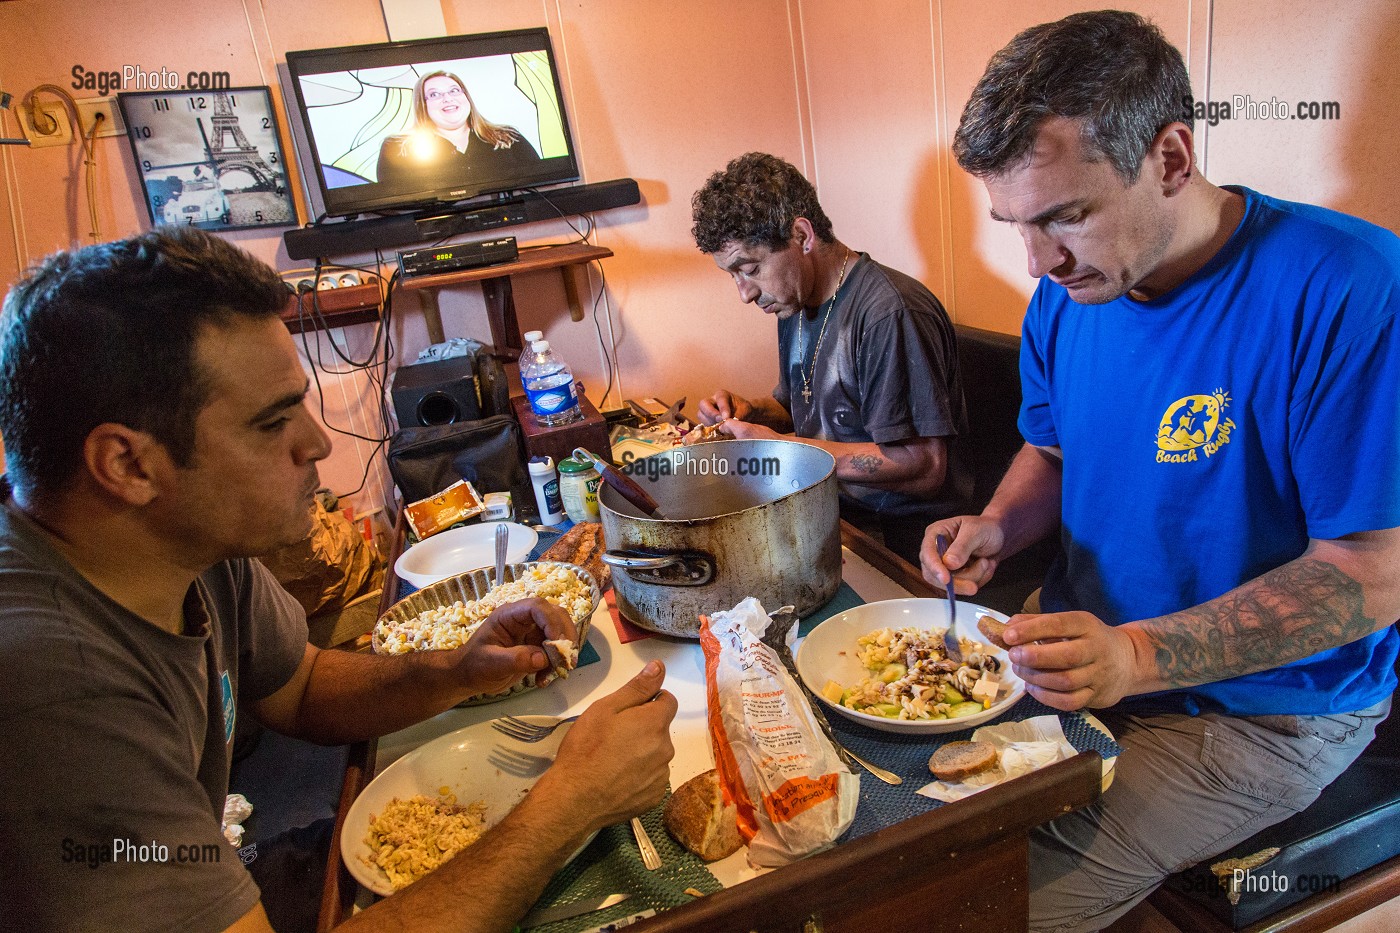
(451, 144)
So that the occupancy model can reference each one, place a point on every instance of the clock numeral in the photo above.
(267, 124)
(258, 216)
(272, 157)
(225, 219)
(160, 103)
(143, 131)
(199, 103)
(145, 165)
(157, 200)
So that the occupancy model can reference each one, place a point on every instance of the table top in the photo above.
(871, 571)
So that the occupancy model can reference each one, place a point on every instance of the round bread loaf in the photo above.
(697, 818)
(958, 761)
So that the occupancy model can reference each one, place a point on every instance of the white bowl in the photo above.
(458, 550)
(475, 763)
(829, 652)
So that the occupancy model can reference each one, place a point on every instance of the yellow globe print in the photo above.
(1189, 422)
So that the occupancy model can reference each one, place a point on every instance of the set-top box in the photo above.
(457, 256)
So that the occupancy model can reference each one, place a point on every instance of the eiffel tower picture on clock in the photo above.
(209, 159)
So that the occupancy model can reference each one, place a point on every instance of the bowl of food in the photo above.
(445, 614)
(461, 549)
(432, 804)
(883, 665)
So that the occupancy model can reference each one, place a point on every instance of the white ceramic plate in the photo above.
(476, 763)
(829, 653)
(458, 550)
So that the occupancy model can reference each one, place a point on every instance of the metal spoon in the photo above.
(502, 542)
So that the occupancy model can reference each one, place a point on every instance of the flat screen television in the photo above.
(410, 124)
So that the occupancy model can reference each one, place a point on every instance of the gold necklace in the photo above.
(807, 375)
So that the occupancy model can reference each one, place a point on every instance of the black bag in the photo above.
(486, 453)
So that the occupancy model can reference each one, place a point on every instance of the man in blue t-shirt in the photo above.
(1210, 381)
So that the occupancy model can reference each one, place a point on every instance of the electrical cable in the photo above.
(46, 124)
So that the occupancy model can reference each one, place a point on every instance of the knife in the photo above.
(950, 640)
(543, 915)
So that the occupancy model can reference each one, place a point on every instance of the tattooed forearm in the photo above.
(869, 464)
(1291, 612)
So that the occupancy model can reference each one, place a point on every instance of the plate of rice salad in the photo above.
(444, 615)
(883, 665)
(429, 806)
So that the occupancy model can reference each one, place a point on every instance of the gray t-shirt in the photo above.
(886, 371)
(117, 735)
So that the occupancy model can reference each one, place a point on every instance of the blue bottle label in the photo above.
(551, 497)
(552, 401)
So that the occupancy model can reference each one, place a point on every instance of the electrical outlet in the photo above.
(60, 137)
(90, 107)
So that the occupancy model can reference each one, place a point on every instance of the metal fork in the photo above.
(782, 620)
(650, 859)
(950, 640)
(523, 731)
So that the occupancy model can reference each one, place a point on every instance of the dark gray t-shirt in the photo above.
(887, 371)
(117, 730)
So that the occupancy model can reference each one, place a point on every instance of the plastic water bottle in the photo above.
(550, 386)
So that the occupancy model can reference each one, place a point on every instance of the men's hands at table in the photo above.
(723, 406)
(1069, 660)
(748, 431)
(508, 645)
(1072, 660)
(615, 760)
(975, 543)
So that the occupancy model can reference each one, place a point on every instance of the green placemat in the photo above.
(611, 863)
(844, 599)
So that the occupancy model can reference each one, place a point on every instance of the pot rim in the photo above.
(830, 472)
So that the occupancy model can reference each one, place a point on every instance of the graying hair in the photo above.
(1113, 70)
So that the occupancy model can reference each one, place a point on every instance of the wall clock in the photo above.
(209, 159)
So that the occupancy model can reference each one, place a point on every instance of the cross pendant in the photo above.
(807, 395)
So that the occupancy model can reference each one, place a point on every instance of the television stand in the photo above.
(571, 259)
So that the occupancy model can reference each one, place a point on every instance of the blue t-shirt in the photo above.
(1210, 432)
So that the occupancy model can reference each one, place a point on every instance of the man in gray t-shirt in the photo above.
(869, 363)
(156, 437)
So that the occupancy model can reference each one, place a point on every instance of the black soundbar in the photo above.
(359, 236)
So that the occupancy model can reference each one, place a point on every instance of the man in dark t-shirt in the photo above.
(152, 405)
(869, 363)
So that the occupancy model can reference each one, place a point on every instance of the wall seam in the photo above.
(943, 140)
(802, 88)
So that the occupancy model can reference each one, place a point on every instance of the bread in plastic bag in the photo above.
(793, 794)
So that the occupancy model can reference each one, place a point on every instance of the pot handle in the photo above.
(683, 568)
(630, 561)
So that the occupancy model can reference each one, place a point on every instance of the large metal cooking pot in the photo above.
(741, 518)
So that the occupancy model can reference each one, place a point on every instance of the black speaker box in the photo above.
(435, 393)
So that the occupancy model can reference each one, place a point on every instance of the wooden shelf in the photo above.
(353, 304)
(570, 259)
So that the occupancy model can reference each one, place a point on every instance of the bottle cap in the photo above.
(542, 465)
(532, 335)
(570, 465)
(540, 346)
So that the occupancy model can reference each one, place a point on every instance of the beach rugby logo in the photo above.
(1194, 426)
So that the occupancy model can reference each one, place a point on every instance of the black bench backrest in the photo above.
(989, 363)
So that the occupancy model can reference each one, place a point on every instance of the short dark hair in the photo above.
(754, 201)
(107, 334)
(1113, 70)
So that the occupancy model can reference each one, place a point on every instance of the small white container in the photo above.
(545, 479)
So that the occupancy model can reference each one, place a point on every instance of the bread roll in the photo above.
(994, 630)
(697, 818)
(958, 761)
